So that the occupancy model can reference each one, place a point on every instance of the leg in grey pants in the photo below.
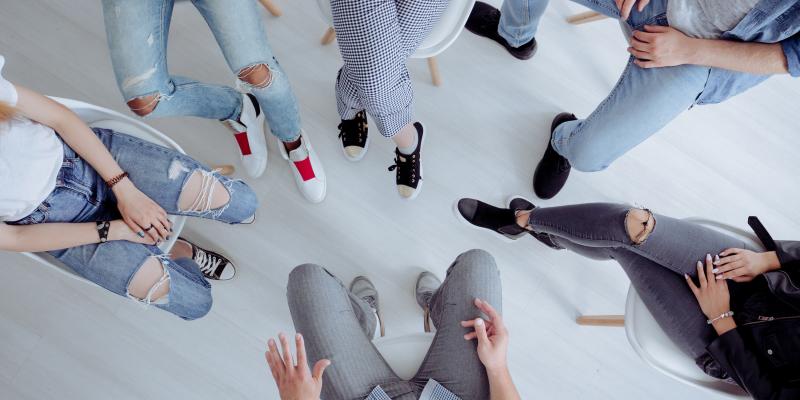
(338, 326)
(655, 267)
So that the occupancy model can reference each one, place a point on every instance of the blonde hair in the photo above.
(6, 111)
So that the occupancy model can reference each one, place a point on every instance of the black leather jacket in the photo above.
(764, 357)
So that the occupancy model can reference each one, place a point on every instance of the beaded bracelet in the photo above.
(102, 230)
(721, 316)
(115, 180)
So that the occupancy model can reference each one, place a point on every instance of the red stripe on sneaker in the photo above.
(243, 142)
(305, 169)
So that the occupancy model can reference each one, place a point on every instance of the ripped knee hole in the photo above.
(150, 284)
(639, 224)
(203, 192)
(258, 75)
(144, 105)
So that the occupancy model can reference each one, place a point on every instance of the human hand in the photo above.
(661, 46)
(712, 295)
(492, 337)
(743, 265)
(625, 6)
(119, 230)
(295, 382)
(143, 215)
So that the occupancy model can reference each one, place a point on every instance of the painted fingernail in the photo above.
(686, 276)
(715, 270)
(719, 277)
(708, 257)
(168, 237)
(699, 264)
(140, 234)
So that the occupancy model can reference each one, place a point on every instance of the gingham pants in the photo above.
(375, 38)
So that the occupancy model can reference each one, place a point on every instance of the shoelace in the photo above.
(207, 262)
(371, 301)
(344, 130)
(400, 161)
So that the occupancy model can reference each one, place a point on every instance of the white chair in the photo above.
(654, 346)
(440, 38)
(405, 353)
(100, 117)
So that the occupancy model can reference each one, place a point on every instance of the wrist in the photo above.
(772, 261)
(499, 372)
(122, 186)
(695, 51)
(724, 325)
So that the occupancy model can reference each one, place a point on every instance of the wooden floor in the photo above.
(488, 125)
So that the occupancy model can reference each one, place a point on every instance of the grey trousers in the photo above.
(655, 267)
(338, 326)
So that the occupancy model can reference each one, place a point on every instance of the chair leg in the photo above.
(601, 320)
(585, 17)
(433, 66)
(328, 37)
(224, 169)
(271, 7)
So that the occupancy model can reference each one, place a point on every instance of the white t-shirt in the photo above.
(30, 157)
(707, 19)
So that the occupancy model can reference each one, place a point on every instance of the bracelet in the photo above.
(721, 316)
(102, 230)
(115, 180)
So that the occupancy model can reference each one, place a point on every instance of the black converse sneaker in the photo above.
(499, 220)
(484, 21)
(213, 265)
(519, 203)
(354, 137)
(409, 168)
(553, 170)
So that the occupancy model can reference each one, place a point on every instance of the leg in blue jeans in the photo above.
(519, 20)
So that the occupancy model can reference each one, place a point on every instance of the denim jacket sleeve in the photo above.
(791, 49)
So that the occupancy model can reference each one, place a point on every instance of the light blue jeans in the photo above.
(642, 102)
(137, 38)
(81, 195)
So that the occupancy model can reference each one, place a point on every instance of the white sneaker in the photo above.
(307, 169)
(249, 134)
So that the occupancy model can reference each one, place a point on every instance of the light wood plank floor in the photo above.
(488, 125)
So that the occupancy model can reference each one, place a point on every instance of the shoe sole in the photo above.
(361, 156)
(464, 221)
(421, 169)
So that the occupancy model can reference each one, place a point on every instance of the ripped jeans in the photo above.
(81, 195)
(137, 34)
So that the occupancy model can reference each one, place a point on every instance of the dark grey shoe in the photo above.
(363, 288)
(427, 285)
(484, 20)
(553, 170)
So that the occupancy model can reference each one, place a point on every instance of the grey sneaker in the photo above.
(363, 288)
(427, 284)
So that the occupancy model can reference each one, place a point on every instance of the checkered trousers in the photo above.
(375, 38)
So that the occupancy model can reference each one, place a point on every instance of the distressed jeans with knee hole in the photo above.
(81, 195)
(655, 266)
(137, 34)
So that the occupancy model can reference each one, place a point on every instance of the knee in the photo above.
(476, 264)
(150, 284)
(144, 105)
(258, 76)
(200, 306)
(639, 224)
(202, 192)
(305, 277)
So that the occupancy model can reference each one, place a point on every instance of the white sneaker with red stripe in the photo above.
(249, 135)
(307, 169)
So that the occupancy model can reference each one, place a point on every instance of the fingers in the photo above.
(701, 276)
(733, 274)
(135, 228)
(656, 28)
(643, 4)
(727, 259)
(645, 64)
(319, 369)
(470, 336)
(644, 37)
(729, 267)
(301, 352)
(272, 367)
(709, 268)
(625, 9)
(287, 354)
(480, 331)
(277, 364)
(692, 286)
(730, 251)
(640, 55)
(490, 311)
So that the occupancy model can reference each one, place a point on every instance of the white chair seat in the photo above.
(405, 353)
(100, 117)
(653, 345)
(443, 34)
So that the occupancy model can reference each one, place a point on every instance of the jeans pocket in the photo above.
(38, 216)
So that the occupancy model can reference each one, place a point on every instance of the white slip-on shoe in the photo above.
(249, 135)
(307, 169)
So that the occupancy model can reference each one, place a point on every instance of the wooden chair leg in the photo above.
(601, 320)
(328, 37)
(271, 7)
(585, 17)
(224, 169)
(433, 66)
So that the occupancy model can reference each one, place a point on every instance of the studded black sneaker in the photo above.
(408, 168)
(354, 137)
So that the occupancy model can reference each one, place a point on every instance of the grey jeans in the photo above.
(655, 267)
(339, 326)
